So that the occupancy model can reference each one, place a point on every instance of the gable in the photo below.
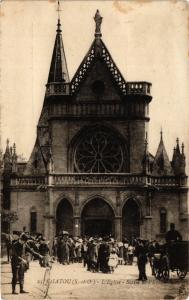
(90, 66)
(98, 84)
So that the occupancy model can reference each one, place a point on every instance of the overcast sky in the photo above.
(148, 41)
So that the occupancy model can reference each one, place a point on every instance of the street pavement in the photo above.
(75, 282)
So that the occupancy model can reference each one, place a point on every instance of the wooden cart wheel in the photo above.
(157, 273)
(165, 274)
(165, 268)
(181, 273)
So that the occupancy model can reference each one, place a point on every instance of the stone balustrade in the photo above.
(57, 89)
(28, 181)
(86, 179)
(138, 87)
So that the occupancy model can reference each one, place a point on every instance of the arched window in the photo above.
(163, 220)
(33, 220)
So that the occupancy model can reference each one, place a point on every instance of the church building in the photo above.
(90, 171)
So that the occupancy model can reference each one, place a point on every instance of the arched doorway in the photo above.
(64, 217)
(97, 218)
(131, 219)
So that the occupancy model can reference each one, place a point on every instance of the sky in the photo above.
(148, 41)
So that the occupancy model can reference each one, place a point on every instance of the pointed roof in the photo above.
(7, 154)
(162, 165)
(58, 69)
(98, 50)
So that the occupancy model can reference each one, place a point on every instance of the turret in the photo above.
(178, 160)
(162, 165)
(7, 158)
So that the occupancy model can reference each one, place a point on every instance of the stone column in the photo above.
(49, 224)
(147, 233)
(148, 218)
(118, 228)
(76, 226)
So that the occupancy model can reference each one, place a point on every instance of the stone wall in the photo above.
(23, 202)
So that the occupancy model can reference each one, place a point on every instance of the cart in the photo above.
(173, 257)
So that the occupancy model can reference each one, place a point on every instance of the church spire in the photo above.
(162, 165)
(58, 70)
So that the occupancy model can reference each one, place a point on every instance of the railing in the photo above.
(134, 87)
(98, 179)
(88, 179)
(29, 181)
(57, 89)
(169, 181)
(138, 87)
(84, 109)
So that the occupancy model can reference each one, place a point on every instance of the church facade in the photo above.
(90, 171)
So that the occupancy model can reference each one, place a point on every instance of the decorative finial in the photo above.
(7, 141)
(98, 21)
(146, 142)
(161, 134)
(177, 140)
(58, 25)
(14, 148)
(182, 148)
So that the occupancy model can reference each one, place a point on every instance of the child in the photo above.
(113, 260)
(130, 254)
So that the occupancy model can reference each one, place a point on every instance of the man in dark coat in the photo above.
(140, 252)
(18, 263)
(103, 256)
(173, 235)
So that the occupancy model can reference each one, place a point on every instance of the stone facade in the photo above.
(90, 171)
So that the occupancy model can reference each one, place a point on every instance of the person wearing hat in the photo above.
(18, 263)
(103, 255)
(173, 235)
(140, 253)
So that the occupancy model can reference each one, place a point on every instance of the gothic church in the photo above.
(90, 171)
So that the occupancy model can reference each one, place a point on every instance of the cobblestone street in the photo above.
(75, 282)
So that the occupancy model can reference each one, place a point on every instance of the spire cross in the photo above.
(58, 10)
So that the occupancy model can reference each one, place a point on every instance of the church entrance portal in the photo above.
(97, 218)
(131, 219)
(64, 217)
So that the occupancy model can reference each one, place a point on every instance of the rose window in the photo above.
(99, 152)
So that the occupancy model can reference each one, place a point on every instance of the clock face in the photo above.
(98, 152)
(98, 87)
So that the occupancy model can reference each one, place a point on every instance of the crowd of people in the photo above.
(97, 254)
